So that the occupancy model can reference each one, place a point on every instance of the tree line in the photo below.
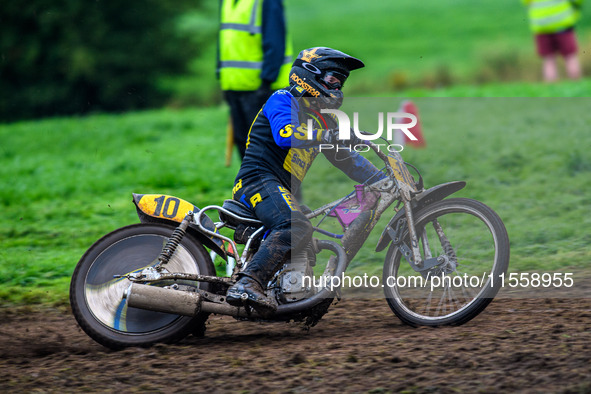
(60, 57)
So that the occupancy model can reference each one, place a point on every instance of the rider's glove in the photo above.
(331, 136)
(355, 140)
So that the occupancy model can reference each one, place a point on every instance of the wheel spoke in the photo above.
(427, 308)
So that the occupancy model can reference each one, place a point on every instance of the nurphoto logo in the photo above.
(395, 121)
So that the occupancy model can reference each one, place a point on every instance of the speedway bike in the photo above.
(156, 282)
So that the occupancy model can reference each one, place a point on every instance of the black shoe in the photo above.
(247, 291)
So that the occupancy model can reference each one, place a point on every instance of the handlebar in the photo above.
(401, 167)
(377, 150)
(382, 156)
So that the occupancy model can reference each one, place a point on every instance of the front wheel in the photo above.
(97, 299)
(471, 246)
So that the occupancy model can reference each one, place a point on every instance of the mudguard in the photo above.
(421, 200)
(160, 208)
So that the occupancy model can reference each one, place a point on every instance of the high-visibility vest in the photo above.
(551, 16)
(241, 47)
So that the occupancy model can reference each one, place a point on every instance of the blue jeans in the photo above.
(288, 228)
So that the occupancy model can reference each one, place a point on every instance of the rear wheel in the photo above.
(471, 246)
(97, 297)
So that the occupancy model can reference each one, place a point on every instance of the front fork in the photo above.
(414, 241)
(430, 261)
(413, 255)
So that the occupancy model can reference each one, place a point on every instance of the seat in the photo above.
(238, 209)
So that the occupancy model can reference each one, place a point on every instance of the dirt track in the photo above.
(514, 345)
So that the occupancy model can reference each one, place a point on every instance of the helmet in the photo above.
(321, 73)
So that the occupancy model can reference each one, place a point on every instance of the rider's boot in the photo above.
(249, 291)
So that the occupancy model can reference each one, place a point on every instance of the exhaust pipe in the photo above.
(159, 299)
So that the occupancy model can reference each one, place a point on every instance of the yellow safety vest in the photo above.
(241, 47)
(550, 16)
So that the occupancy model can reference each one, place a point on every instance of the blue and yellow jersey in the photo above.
(280, 143)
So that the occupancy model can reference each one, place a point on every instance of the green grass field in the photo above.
(66, 182)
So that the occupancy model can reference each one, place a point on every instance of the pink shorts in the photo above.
(563, 42)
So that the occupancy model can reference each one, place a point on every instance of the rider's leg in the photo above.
(289, 229)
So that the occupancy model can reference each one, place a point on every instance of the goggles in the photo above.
(334, 80)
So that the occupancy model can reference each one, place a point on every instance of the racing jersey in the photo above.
(280, 144)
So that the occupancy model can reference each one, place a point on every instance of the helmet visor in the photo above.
(334, 80)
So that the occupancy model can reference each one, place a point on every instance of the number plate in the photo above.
(405, 179)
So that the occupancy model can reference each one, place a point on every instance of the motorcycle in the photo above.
(156, 282)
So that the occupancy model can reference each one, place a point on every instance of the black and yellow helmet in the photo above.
(321, 72)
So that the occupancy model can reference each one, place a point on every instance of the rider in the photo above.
(278, 156)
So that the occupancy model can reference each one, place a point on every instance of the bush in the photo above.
(69, 56)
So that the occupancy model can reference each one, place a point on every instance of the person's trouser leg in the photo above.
(288, 229)
(243, 110)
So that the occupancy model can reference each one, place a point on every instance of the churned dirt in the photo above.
(515, 345)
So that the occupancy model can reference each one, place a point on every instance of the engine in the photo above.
(290, 284)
